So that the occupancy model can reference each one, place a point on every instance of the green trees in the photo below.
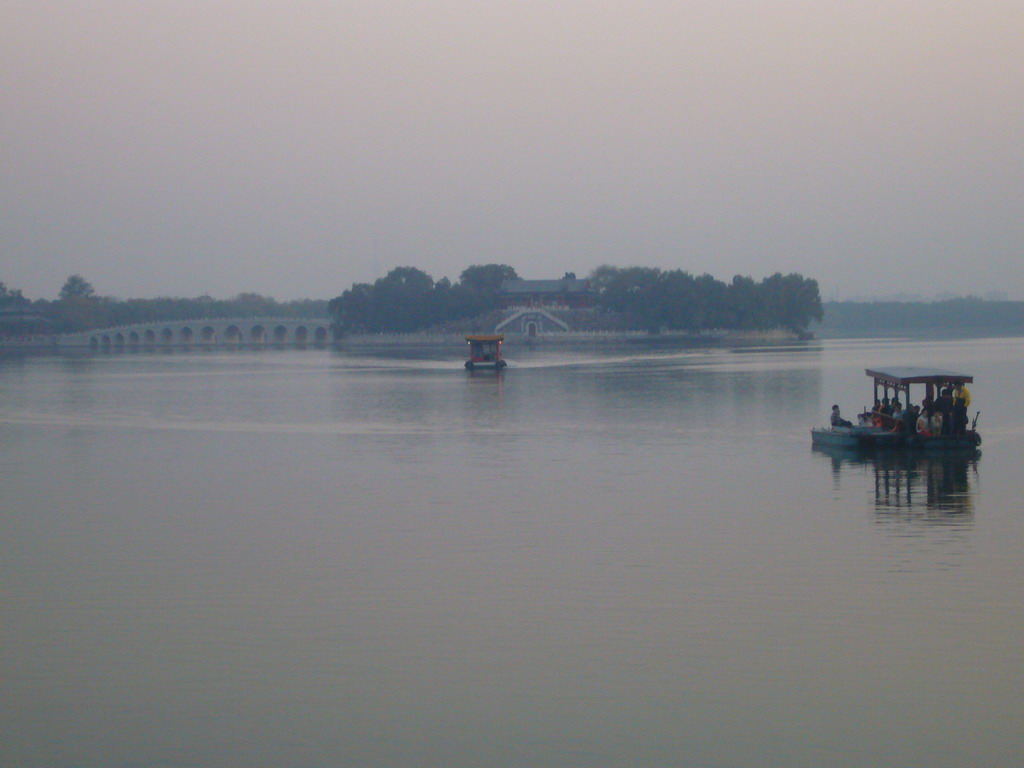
(791, 301)
(8, 296)
(401, 301)
(77, 287)
(17, 316)
(407, 299)
(676, 300)
(961, 315)
(79, 308)
(404, 299)
(486, 278)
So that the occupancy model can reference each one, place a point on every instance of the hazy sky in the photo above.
(293, 148)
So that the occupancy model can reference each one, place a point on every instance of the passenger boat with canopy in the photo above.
(879, 430)
(485, 351)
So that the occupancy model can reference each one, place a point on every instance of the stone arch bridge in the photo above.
(250, 331)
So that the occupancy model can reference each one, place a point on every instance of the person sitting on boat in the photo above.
(897, 416)
(876, 413)
(944, 406)
(929, 425)
(837, 420)
(910, 418)
(886, 409)
(928, 404)
(924, 424)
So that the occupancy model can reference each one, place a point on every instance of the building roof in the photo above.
(912, 375)
(20, 309)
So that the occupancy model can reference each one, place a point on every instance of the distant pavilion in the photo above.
(567, 293)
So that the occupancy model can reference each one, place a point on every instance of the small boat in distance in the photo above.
(875, 430)
(485, 351)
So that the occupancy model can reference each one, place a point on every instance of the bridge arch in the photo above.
(254, 331)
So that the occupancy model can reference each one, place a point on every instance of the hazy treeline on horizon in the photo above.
(634, 297)
(79, 308)
(968, 315)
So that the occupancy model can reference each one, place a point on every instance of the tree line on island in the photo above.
(408, 299)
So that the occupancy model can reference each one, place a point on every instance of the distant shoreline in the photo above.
(49, 344)
(952, 318)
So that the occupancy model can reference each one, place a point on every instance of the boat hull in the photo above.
(475, 365)
(874, 438)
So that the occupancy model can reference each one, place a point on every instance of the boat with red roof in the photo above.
(914, 428)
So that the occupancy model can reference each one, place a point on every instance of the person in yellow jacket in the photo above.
(961, 399)
(962, 393)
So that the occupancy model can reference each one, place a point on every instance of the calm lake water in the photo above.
(599, 559)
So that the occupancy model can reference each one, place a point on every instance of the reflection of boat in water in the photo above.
(879, 431)
(485, 352)
(912, 481)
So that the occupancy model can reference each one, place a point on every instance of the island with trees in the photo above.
(647, 299)
(408, 300)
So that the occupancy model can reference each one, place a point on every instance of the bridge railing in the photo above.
(207, 331)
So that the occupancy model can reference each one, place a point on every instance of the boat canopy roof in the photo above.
(910, 375)
(487, 337)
